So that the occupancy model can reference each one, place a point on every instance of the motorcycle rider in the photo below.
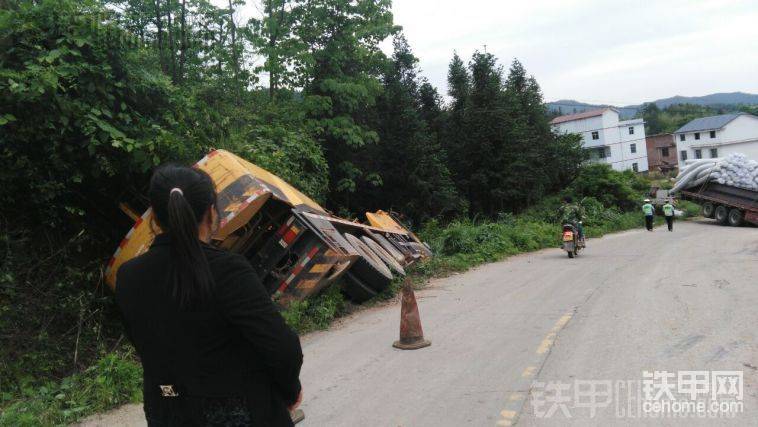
(571, 213)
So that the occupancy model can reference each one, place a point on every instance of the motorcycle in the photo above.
(571, 242)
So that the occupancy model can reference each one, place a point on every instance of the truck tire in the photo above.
(709, 210)
(369, 268)
(736, 217)
(356, 290)
(389, 247)
(384, 255)
(721, 215)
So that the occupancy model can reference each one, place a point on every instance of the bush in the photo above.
(622, 190)
(317, 312)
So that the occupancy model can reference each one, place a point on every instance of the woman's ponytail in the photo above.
(191, 273)
(180, 197)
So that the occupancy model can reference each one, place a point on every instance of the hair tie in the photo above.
(178, 190)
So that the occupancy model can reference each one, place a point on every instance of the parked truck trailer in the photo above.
(296, 247)
(726, 204)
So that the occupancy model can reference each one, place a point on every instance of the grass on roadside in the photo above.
(115, 379)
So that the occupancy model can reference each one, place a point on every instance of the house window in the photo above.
(635, 167)
(595, 135)
(684, 155)
(698, 154)
(633, 147)
(697, 135)
(631, 130)
(714, 153)
(681, 137)
(713, 134)
(665, 152)
(601, 153)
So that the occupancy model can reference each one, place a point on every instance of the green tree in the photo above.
(455, 137)
(409, 157)
(86, 110)
(541, 162)
(341, 82)
(273, 36)
(485, 128)
(504, 155)
(652, 116)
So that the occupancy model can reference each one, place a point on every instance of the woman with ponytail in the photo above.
(214, 349)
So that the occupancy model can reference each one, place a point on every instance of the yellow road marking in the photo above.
(529, 372)
(508, 414)
(562, 321)
(550, 338)
(546, 343)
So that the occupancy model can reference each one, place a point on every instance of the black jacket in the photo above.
(237, 345)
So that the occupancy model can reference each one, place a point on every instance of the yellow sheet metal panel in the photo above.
(280, 188)
(136, 242)
(383, 220)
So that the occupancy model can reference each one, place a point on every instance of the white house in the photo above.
(619, 143)
(718, 136)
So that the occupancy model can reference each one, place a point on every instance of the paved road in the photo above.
(502, 333)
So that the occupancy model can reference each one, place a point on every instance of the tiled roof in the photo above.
(579, 116)
(708, 123)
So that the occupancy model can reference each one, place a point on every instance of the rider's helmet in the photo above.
(647, 200)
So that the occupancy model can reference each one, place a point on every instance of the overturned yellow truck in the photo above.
(296, 247)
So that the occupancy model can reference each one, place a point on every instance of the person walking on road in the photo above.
(214, 349)
(648, 210)
(668, 213)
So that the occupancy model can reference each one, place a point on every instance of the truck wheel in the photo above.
(356, 290)
(369, 268)
(735, 217)
(721, 215)
(708, 210)
(389, 247)
(384, 255)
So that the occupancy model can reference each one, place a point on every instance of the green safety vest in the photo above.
(648, 209)
(668, 210)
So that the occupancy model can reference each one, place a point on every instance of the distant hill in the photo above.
(732, 98)
(568, 106)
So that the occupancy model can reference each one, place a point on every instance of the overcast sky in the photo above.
(600, 51)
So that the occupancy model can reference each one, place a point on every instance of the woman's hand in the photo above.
(297, 402)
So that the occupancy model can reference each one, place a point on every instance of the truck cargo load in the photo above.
(727, 189)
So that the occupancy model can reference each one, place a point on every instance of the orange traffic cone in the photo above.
(411, 334)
